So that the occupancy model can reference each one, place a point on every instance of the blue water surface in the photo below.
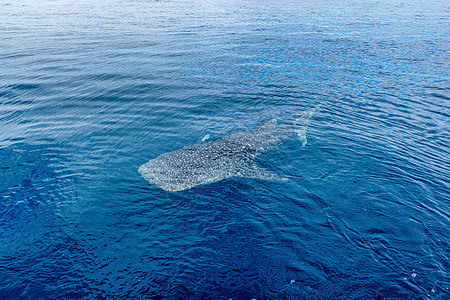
(91, 90)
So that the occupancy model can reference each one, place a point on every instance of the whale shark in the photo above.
(230, 156)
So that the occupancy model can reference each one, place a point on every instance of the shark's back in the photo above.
(264, 138)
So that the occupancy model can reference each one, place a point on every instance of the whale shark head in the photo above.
(160, 173)
(181, 170)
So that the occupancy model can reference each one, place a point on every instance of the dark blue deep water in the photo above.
(90, 90)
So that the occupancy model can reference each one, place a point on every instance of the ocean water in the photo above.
(91, 90)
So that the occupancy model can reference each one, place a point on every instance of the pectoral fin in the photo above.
(204, 139)
(255, 172)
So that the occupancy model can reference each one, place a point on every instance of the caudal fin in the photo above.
(302, 123)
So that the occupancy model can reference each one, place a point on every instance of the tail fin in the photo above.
(302, 123)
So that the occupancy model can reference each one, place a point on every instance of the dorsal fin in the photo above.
(269, 124)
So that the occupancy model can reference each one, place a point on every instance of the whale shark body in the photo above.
(230, 156)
